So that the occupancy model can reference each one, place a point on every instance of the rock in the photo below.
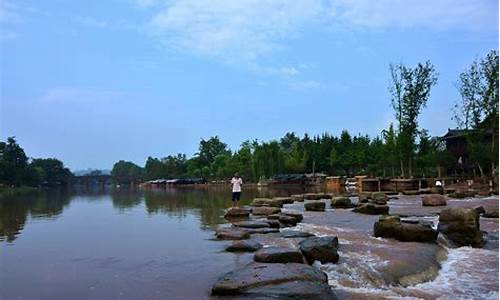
(433, 200)
(491, 212)
(480, 210)
(363, 197)
(283, 200)
(295, 234)
(483, 193)
(274, 217)
(244, 246)
(317, 196)
(273, 223)
(265, 210)
(437, 190)
(288, 220)
(278, 255)
(266, 202)
(461, 226)
(275, 281)
(462, 194)
(297, 197)
(379, 198)
(323, 249)
(392, 227)
(444, 241)
(237, 213)
(293, 214)
(410, 192)
(372, 209)
(264, 230)
(342, 202)
(232, 233)
(314, 206)
(251, 224)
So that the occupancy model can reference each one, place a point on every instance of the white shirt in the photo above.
(236, 182)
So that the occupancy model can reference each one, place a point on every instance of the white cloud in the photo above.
(59, 95)
(432, 14)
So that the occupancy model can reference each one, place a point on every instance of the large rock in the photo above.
(297, 197)
(237, 213)
(266, 202)
(315, 206)
(273, 223)
(491, 212)
(410, 192)
(244, 246)
(278, 255)
(433, 200)
(265, 210)
(391, 227)
(283, 200)
(232, 233)
(294, 214)
(372, 209)
(379, 198)
(275, 281)
(460, 194)
(251, 224)
(317, 196)
(363, 197)
(342, 202)
(264, 230)
(295, 234)
(323, 249)
(288, 220)
(461, 226)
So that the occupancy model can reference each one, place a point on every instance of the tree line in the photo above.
(16, 169)
(404, 149)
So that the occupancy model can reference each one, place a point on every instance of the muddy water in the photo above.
(159, 245)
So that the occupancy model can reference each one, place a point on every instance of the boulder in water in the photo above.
(295, 234)
(317, 196)
(297, 197)
(265, 210)
(323, 249)
(372, 209)
(491, 212)
(275, 281)
(244, 246)
(251, 224)
(288, 220)
(410, 192)
(392, 227)
(460, 194)
(283, 200)
(266, 202)
(278, 255)
(237, 213)
(342, 202)
(379, 198)
(294, 214)
(232, 233)
(315, 206)
(461, 226)
(433, 200)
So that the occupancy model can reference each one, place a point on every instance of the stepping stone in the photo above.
(278, 255)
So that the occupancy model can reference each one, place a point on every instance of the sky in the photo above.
(92, 82)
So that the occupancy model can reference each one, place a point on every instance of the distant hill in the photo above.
(91, 172)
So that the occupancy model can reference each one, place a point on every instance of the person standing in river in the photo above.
(236, 181)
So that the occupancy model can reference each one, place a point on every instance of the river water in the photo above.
(159, 245)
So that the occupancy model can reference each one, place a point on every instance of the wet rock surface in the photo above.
(379, 198)
(315, 206)
(231, 233)
(323, 249)
(433, 200)
(265, 210)
(237, 213)
(295, 234)
(341, 202)
(392, 227)
(244, 246)
(274, 281)
(251, 224)
(372, 209)
(279, 255)
(461, 226)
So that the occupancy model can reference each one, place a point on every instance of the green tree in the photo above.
(13, 163)
(51, 171)
(126, 172)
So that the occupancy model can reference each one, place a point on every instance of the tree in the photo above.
(126, 172)
(51, 171)
(477, 111)
(410, 90)
(13, 163)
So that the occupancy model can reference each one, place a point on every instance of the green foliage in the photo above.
(126, 172)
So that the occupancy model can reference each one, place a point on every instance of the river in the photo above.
(160, 245)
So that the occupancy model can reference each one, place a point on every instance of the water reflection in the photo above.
(14, 211)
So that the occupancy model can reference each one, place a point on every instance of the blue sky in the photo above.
(92, 82)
